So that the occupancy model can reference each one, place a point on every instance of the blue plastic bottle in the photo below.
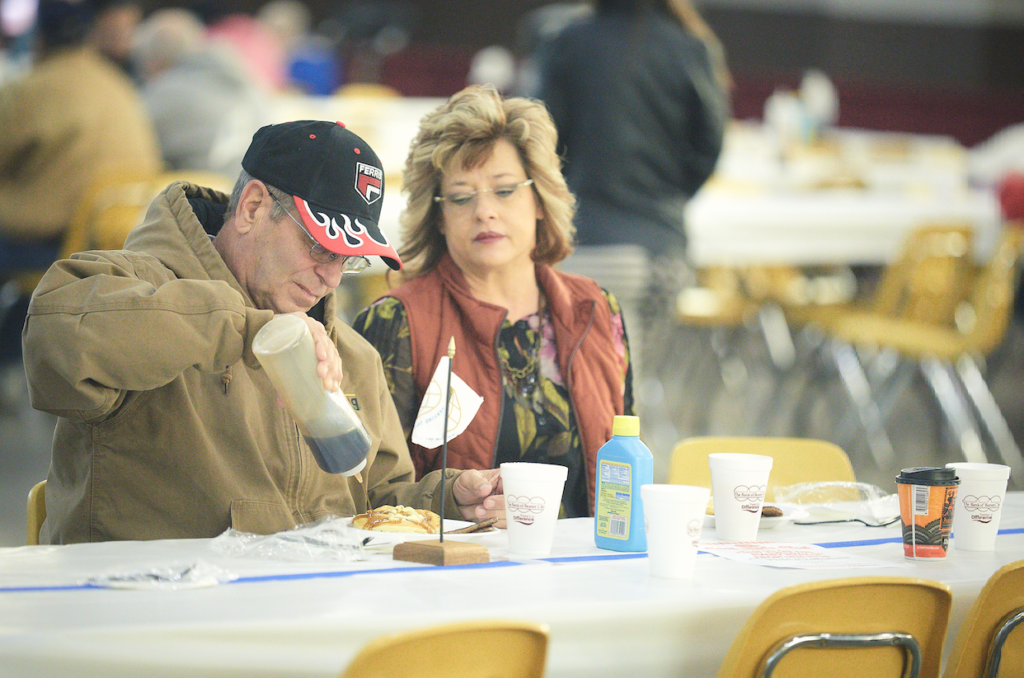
(623, 464)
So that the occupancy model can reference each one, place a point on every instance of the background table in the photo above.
(850, 198)
(607, 616)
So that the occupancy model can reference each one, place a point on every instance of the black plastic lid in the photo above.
(928, 475)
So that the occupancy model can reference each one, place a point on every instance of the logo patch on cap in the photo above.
(369, 180)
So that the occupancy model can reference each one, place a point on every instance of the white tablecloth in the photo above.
(607, 616)
(835, 226)
(851, 198)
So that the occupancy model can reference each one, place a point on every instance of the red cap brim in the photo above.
(343, 234)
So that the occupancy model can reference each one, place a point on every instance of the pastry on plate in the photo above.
(398, 519)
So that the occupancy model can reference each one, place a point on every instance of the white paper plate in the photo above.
(790, 512)
(398, 537)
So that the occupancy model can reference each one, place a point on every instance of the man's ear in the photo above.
(254, 196)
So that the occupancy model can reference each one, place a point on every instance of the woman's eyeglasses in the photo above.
(322, 255)
(467, 199)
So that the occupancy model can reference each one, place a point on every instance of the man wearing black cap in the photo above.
(167, 427)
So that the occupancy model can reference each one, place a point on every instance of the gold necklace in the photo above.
(518, 374)
(532, 367)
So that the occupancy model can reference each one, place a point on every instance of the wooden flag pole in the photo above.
(440, 552)
(444, 435)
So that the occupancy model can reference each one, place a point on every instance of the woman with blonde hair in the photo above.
(488, 215)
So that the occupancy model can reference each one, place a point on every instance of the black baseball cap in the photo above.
(335, 178)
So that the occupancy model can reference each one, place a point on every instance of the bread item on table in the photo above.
(482, 526)
(767, 510)
(398, 519)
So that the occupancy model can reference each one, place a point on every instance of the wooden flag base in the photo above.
(441, 553)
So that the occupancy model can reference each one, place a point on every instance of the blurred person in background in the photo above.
(204, 104)
(640, 95)
(487, 217)
(311, 65)
(72, 117)
(260, 48)
(113, 29)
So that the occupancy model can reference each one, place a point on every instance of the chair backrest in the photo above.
(477, 649)
(116, 202)
(796, 460)
(859, 606)
(923, 282)
(992, 292)
(36, 512)
(999, 602)
(367, 89)
(719, 299)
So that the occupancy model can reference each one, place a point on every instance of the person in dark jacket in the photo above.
(639, 92)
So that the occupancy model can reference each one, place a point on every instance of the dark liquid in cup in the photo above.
(339, 454)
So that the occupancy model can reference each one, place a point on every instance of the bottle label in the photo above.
(614, 499)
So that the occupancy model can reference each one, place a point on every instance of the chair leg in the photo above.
(942, 379)
(856, 382)
(777, 336)
(888, 377)
(990, 414)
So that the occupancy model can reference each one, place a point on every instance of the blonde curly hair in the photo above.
(462, 133)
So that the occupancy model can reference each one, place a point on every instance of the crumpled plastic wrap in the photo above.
(839, 501)
(327, 539)
(168, 576)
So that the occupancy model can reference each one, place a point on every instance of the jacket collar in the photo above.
(572, 315)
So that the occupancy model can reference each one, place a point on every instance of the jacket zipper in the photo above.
(501, 389)
(575, 408)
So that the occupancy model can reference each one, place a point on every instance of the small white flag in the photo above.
(462, 407)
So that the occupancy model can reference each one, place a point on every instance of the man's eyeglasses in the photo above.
(322, 255)
(468, 198)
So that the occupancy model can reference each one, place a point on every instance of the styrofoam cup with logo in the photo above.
(978, 504)
(533, 496)
(673, 518)
(738, 484)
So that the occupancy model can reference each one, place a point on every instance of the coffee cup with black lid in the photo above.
(927, 496)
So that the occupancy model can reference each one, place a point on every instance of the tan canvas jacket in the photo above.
(167, 427)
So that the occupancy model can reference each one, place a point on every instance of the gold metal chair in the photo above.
(719, 315)
(841, 628)
(732, 304)
(367, 89)
(116, 202)
(476, 649)
(36, 512)
(796, 460)
(949, 352)
(986, 640)
(925, 282)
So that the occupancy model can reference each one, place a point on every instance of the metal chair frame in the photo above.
(821, 640)
(996, 653)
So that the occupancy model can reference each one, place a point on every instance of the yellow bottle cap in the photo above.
(624, 425)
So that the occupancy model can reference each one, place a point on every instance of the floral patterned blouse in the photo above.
(544, 427)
